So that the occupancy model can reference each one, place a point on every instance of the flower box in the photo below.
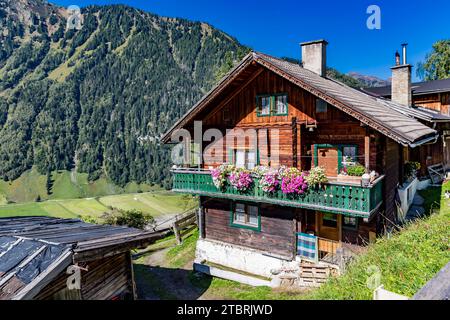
(348, 179)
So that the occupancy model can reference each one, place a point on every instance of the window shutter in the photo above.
(230, 156)
(273, 105)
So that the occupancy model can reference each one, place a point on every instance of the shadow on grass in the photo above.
(158, 283)
(432, 197)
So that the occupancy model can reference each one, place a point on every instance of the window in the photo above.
(246, 216)
(321, 106)
(281, 105)
(329, 220)
(244, 158)
(272, 105)
(349, 155)
(195, 155)
(350, 222)
(265, 106)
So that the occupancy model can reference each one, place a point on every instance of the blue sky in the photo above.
(277, 27)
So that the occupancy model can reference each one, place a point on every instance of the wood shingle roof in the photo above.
(370, 110)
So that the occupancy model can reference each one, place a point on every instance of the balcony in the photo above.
(333, 197)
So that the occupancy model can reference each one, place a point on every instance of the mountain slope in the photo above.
(369, 81)
(97, 99)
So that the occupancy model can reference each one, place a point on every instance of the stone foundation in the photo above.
(280, 272)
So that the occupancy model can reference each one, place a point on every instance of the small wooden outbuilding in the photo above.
(46, 258)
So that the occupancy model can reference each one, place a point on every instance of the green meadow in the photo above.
(156, 203)
(72, 196)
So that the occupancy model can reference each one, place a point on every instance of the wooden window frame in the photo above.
(340, 148)
(326, 106)
(347, 227)
(272, 108)
(239, 225)
(232, 155)
(334, 220)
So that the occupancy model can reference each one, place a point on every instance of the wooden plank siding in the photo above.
(240, 112)
(392, 164)
(105, 279)
(277, 235)
(439, 102)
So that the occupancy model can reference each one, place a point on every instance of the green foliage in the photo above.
(99, 98)
(437, 63)
(411, 168)
(356, 170)
(90, 219)
(131, 218)
(335, 74)
(316, 177)
(346, 79)
(407, 260)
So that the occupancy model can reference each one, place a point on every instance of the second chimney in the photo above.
(314, 56)
(401, 80)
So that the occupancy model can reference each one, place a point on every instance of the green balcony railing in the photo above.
(334, 197)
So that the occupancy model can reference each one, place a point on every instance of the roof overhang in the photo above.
(253, 58)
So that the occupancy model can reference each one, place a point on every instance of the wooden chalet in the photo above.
(428, 102)
(321, 122)
(40, 257)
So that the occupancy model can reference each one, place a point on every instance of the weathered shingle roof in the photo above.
(368, 109)
(36, 249)
(24, 261)
(418, 88)
(416, 112)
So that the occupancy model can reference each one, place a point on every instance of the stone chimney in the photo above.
(314, 56)
(401, 80)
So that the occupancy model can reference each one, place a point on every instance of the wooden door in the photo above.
(329, 226)
(327, 157)
(329, 231)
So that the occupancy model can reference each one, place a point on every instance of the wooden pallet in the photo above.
(314, 275)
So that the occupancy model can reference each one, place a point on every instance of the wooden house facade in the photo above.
(318, 122)
(430, 104)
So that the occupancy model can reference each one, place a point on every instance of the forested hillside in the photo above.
(97, 99)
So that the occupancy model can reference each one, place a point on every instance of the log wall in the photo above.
(277, 235)
(106, 279)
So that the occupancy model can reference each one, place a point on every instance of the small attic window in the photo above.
(321, 106)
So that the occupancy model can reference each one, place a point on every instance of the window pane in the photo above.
(265, 105)
(253, 215)
(239, 214)
(330, 220)
(349, 154)
(251, 160)
(240, 158)
(281, 103)
(321, 106)
(350, 222)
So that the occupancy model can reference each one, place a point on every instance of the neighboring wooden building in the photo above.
(320, 122)
(428, 102)
(39, 255)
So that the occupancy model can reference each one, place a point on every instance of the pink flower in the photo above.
(295, 184)
(269, 182)
(241, 180)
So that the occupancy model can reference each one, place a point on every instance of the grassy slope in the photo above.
(407, 261)
(156, 203)
(66, 185)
